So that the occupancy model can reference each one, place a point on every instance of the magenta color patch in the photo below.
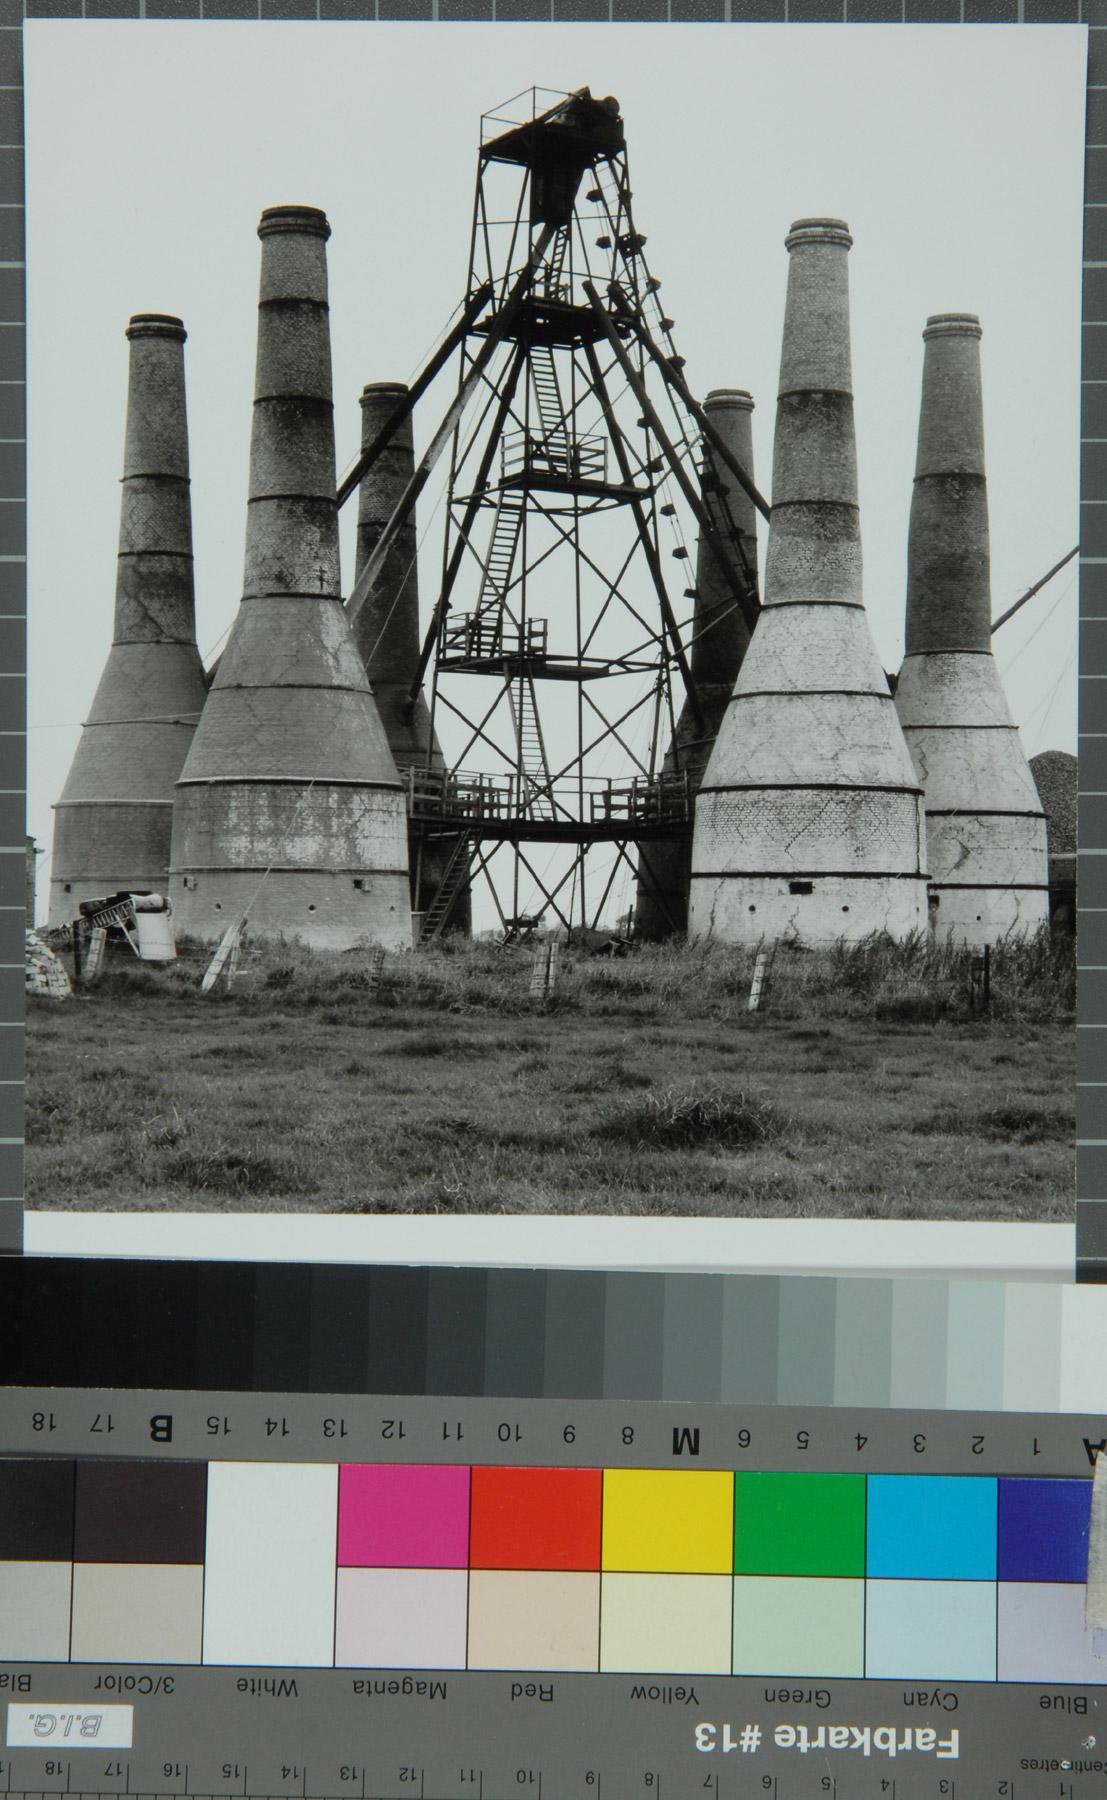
(411, 1517)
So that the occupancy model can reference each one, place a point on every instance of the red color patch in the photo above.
(536, 1519)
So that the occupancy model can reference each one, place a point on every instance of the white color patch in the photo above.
(270, 1564)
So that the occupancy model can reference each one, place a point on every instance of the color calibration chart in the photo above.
(226, 1594)
(644, 1571)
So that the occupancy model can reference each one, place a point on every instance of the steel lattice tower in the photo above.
(558, 654)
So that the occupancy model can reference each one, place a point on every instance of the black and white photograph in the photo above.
(552, 596)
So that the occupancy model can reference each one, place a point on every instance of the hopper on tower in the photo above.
(985, 830)
(113, 821)
(720, 636)
(289, 808)
(809, 821)
(386, 628)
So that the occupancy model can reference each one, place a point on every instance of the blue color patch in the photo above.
(931, 1527)
(1043, 1530)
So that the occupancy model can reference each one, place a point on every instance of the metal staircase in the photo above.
(553, 288)
(504, 543)
(552, 443)
(455, 878)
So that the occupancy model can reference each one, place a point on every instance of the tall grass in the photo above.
(867, 1084)
(1032, 979)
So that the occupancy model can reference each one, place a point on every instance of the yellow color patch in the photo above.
(668, 1521)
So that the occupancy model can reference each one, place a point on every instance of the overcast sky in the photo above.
(953, 152)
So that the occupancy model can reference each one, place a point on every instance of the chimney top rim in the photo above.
(953, 325)
(310, 220)
(736, 397)
(384, 387)
(156, 325)
(819, 231)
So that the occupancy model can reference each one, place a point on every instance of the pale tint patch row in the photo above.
(504, 1619)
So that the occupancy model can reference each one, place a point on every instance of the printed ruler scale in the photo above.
(468, 1598)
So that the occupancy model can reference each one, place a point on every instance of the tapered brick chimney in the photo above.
(985, 828)
(289, 807)
(809, 820)
(113, 821)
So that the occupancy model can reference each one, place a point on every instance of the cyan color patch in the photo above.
(932, 1527)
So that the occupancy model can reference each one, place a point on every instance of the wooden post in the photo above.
(758, 985)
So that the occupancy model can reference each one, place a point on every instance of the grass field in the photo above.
(867, 1086)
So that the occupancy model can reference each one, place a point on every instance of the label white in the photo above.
(70, 1724)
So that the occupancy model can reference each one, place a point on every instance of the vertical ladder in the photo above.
(535, 782)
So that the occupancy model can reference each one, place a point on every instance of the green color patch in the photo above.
(799, 1524)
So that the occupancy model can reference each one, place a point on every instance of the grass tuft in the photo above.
(224, 1171)
(695, 1120)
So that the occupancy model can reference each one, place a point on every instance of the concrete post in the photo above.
(289, 805)
(719, 640)
(985, 830)
(809, 821)
(113, 820)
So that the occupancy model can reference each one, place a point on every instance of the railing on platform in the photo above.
(493, 637)
(643, 800)
(554, 453)
(554, 293)
(446, 797)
